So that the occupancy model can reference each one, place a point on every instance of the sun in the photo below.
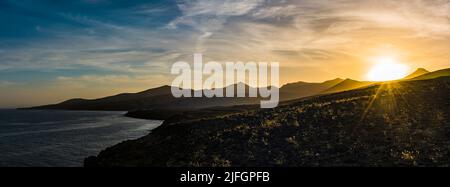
(386, 69)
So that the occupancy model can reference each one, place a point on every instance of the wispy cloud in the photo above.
(6, 83)
(135, 83)
(136, 39)
(210, 16)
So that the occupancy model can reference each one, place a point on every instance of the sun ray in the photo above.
(371, 101)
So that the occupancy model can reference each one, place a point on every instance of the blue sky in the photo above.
(54, 50)
(41, 33)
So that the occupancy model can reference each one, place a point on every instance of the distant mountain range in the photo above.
(305, 89)
(161, 97)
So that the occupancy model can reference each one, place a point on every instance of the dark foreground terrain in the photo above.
(392, 124)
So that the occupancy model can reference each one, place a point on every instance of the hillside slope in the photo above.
(305, 89)
(347, 84)
(394, 124)
(434, 74)
(418, 72)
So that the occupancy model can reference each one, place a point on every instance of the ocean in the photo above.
(51, 138)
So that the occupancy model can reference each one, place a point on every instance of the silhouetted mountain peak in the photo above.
(302, 83)
(75, 100)
(422, 70)
(417, 73)
(348, 80)
(165, 87)
(162, 98)
(334, 81)
(295, 84)
(434, 74)
(238, 84)
(347, 84)
(242, 84)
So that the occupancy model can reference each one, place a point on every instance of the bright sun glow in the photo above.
(386, 69)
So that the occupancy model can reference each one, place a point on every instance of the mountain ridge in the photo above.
(434, 74)
(347, 84)
(361, 127)
(162, 98)
(417, 73)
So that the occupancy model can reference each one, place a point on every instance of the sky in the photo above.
(52, 50)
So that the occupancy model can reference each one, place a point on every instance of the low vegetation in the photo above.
(393, 124)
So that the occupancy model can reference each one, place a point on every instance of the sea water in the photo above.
(52, 138)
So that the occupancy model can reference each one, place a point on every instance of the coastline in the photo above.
(320, 131)
(44, 138)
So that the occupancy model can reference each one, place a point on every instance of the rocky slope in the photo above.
(394, 124)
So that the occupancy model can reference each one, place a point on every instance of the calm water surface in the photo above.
(63, 138)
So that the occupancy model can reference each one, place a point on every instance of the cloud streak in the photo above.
(113, 41)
